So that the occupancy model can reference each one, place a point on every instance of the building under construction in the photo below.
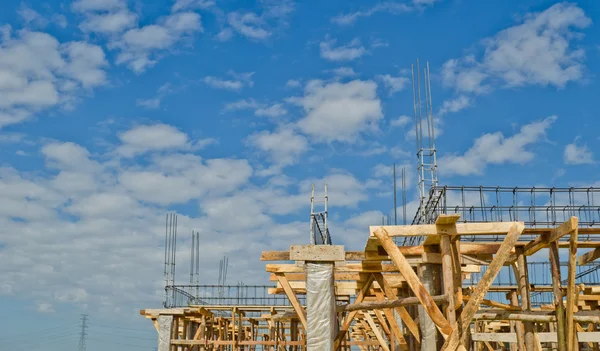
(457, 278)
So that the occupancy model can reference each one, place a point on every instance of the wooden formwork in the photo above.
(383, 298)
(380, 291)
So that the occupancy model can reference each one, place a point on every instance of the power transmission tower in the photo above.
(83, 334)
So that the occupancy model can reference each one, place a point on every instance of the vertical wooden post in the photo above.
(524, 290)
(448, 277)
(558, 296)
(203, 332)
(571, 337)
(519, 330)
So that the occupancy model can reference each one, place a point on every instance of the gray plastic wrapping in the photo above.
(320, 300)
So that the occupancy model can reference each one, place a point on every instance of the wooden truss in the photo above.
(387, 295)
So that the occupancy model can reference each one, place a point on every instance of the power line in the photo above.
(83, 335)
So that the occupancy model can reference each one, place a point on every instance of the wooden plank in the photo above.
(376, 331)
(285, 256)
(293, 299)
(572, 266)
(317, 253)
(486, 281)
(491, 228)
(414, 282)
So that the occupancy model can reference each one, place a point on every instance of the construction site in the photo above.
(474, 268)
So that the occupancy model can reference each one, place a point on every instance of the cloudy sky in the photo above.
(113, 112)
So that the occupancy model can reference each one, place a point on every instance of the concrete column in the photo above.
(165, 325)
(320, 305)
(429, 275)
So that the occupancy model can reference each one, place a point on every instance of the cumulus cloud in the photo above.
(495, 148)
(37, 72)
(454, 105)
(155, 137)
(386, 7)
(348, 52)
(260, 109)
(258, 25)
(114, 212)
(578, 154)
(392, 83)
(538, 51)
(236, 83)
(139, 48)
(283, 146)
(339, 111)
(400, 121)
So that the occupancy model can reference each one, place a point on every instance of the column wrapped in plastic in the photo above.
(320, 301)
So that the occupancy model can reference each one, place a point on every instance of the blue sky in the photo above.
(113, 112)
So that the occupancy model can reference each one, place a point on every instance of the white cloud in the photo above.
(348, 52)
(292, 83)
(400, 121)
(339, 111)
(344, 72)
(155, 137)
(37, 72)
(454, 105)
(275, 110)
(535, 52)
(249, 25)
(68, 156)
(140, 48)
(389, 7)
(393, 84)
(578, 154)
(192, 4)
(155, 102)
(260, 109)
(495, 148)
(109, 23)
(284, 145)
(182, 178)
(97, 5)
(259, 26)
(239, 81)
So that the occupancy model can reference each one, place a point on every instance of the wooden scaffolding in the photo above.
(391, 297)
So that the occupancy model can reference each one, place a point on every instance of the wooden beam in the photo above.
(558, 297)
(404, 301)
(522, 273)
(492, 228)
(293, 299)
(572, 271)
(496, 304)
(448, 271)
(486, 281)
(414, 282)
(589, 257)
